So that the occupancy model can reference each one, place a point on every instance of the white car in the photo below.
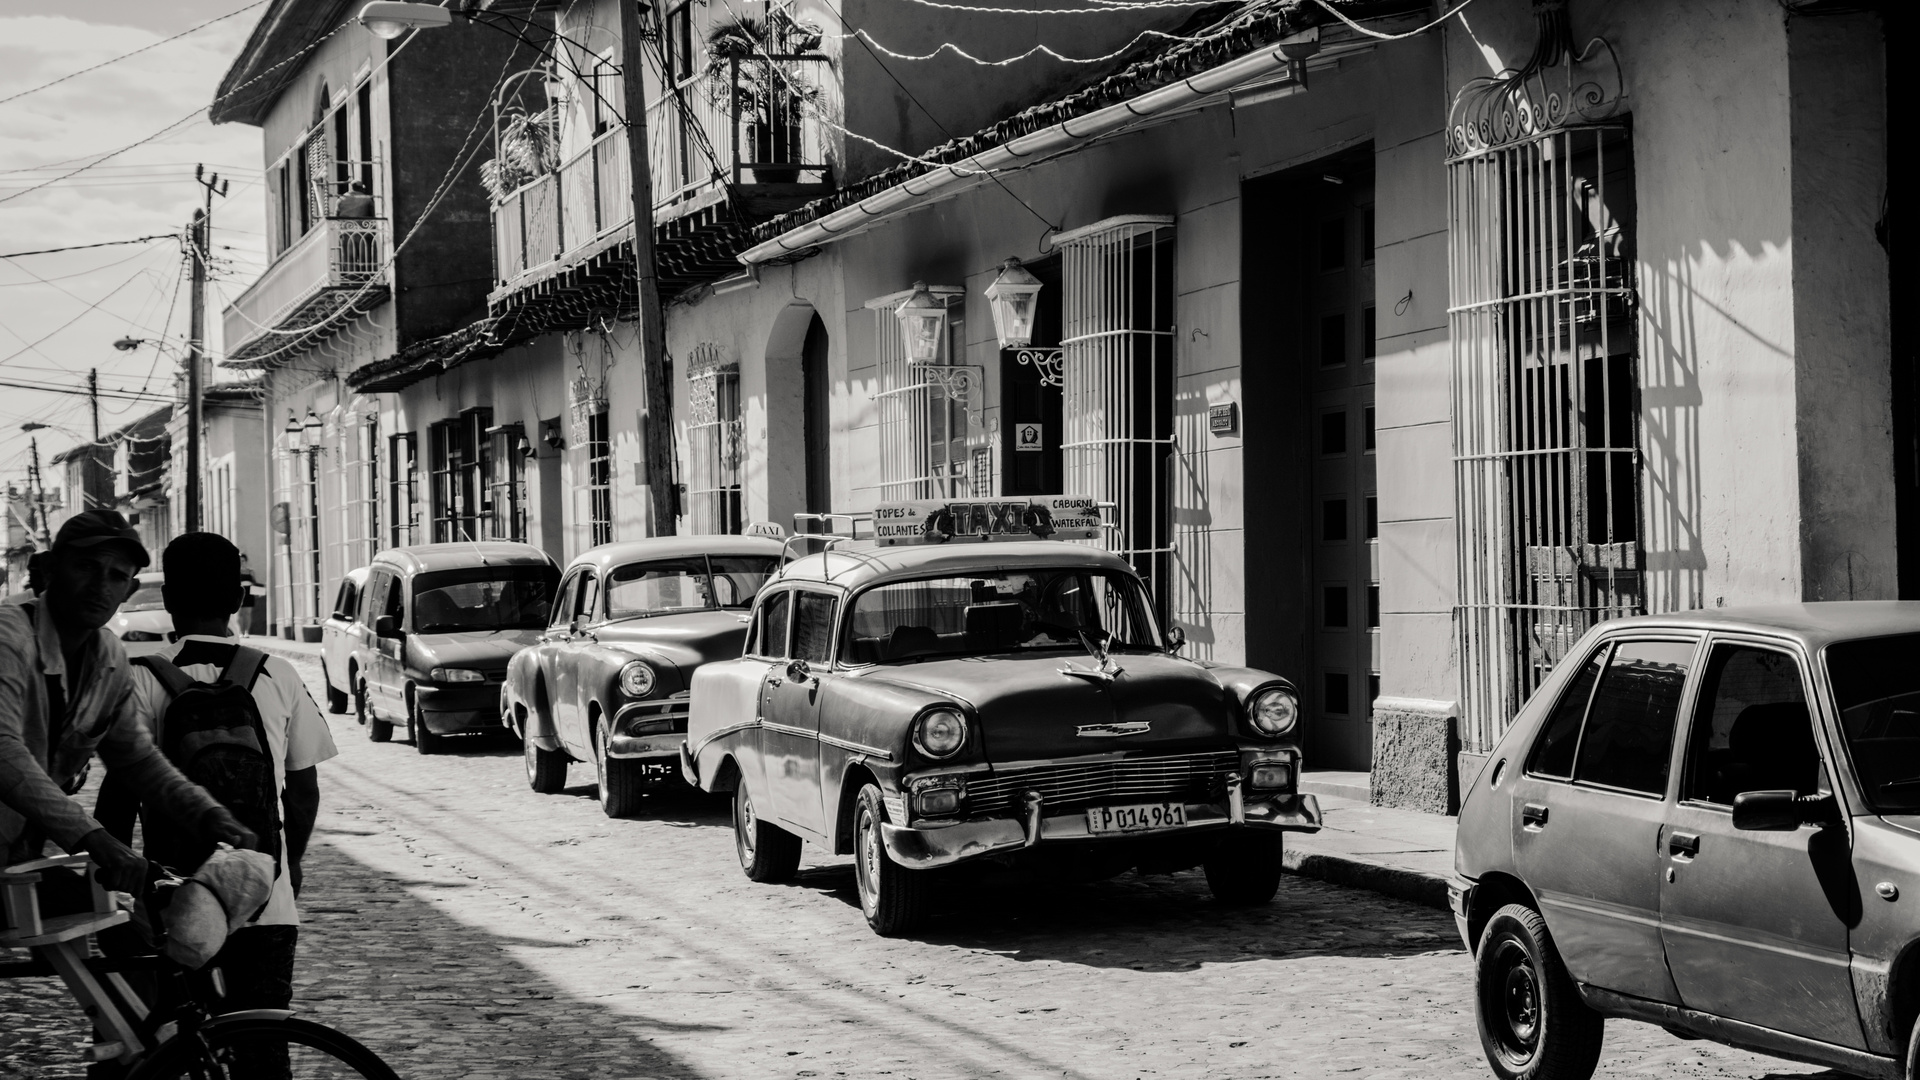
(142, 623)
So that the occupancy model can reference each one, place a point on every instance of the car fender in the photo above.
(725, 704)
(1243, 683)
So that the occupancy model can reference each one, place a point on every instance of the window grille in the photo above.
(403, 492)
(355, 435)
(929, 413)
(449, 455)
(1117, 381)
(506, 483)
(1545, 379)
(599, 480)
(715, 450)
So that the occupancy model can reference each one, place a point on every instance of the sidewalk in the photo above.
(1396, 852)
(281, 645)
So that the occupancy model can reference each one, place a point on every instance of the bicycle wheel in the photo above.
(263, 1049)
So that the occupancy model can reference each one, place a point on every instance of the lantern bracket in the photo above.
(1048, 362)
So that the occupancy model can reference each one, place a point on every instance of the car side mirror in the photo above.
(386, 626)
(798, 671)
(1176, 638)
(573, 626)
(1780, 811)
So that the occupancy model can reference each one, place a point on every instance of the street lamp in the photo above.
(922, 318)
(303, 437)
(1014, 299)
(389, 19)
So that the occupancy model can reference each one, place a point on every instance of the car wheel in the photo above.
(424, 741)
(336, 699)
(378, 730)
(546, 769)
(893, 898)
(767, 852)
(1244, 870)
(621, 786)
(1533, 1025)
(1913, 1054)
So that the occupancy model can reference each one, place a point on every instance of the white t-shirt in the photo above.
(297, 736)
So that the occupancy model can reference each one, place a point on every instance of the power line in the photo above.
(136, 52)
(69, 277)
(84, 247)
(32, 345)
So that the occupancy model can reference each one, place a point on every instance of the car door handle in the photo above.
(1533, 816)
(1683, 845)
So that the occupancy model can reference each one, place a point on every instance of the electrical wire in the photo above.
(1037, 50)
(84, 247)
(70, 277)
(32, 346)
(1378, 35)
(136, 52)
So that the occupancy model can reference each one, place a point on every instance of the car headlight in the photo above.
(1274, 712)
(939, 733)
(455, 674)
(636, 679)
(938, 797)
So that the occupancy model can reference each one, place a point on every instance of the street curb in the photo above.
(1395, 881)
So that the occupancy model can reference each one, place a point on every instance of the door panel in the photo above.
(1754, 930)
(791, 730)
(569, 707)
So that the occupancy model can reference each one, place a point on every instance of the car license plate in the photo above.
(1140, 817)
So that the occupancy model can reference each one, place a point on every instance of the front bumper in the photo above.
(926, 848)
(661, 725)
(1460, 899)
(449, 710)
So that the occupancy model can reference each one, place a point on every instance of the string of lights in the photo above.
(1037, 50)
(1379, 35)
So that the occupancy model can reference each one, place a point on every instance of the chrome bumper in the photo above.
(665, 746)
(924, 849)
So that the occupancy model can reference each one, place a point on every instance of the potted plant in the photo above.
(770, 95)
(528, 148)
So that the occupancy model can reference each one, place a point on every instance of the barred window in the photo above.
(599, 479)
(929, 412)
(1545, 381)
(1117, 381)
(506, 483)
(715, 449)
(460, 460)
(403, 491)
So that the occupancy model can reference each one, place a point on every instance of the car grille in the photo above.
(1188, 776)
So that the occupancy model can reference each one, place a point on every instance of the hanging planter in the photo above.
(529, 148)
(769, 95)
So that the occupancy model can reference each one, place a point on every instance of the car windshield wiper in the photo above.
(1891, 785)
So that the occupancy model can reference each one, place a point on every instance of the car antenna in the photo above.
(477, 549)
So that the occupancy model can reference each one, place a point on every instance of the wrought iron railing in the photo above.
(339, 255)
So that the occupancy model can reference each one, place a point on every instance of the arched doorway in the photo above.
(817, 392)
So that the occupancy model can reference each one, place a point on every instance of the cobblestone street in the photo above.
(464, 927)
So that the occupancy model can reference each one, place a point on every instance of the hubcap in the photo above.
(600, 762)
(1516, 1009)
(743, 823)
(867, 864)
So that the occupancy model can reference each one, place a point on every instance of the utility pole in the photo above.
(93, 399)
(200, 239)
(39, 494)
(656, 442)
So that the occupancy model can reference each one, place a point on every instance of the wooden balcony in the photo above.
(337, 268)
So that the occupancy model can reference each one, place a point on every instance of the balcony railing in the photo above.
(763, 135)
(338, 262)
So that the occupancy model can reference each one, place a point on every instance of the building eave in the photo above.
(266, 65)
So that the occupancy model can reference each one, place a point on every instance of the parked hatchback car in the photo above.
(344, 636)
(607, 679)
(927, 699)
(446, 618)
(1708, 821)
(142, 623)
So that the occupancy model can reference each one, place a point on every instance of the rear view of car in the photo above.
(142, 623)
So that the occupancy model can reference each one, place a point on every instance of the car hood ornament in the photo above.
(1113, 731)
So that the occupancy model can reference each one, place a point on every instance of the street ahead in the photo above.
(465, 927)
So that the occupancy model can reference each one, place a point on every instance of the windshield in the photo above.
(999, 612)
(483, 598)
(692, 583)
(1876, 685)
(144, 598)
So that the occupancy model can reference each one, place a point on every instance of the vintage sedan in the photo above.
(607, 679)
(446, 619)
(142, 623)
(344, 637)
(957, 690)
(1708, 821)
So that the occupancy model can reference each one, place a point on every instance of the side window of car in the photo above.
(1553, 753)
(770, 628)
(563, 602)
(813, 626)
(394, 603)
(343, 603)
(587, 606)
(370, 597)
(1752, 730)
(1627, 741)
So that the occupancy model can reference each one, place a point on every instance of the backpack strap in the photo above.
(172, 678)
(245, 667)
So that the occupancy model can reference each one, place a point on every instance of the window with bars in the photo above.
(460, 464)
(715, 450)
(403, 492)
(1547, 464)
(1117, 381)
(356, 510)
(599, 450)
(506, 483)
(929, 412)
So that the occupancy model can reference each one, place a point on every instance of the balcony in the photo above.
(336, 270)
(716, 166)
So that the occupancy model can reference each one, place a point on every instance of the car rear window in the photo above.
(483, 598)
(1876, 686)
(145, 598)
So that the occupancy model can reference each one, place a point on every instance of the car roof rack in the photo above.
(825, 528)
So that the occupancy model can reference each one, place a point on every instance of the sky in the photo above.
(52, 332)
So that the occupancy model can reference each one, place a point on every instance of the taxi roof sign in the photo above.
(1042, 517)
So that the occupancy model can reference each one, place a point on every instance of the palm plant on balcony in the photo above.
(528, 148)
(770, 95)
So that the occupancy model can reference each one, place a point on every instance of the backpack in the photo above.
(213, 733)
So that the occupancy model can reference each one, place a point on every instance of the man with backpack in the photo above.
(240, 723)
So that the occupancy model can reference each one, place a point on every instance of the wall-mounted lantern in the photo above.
(313, 427)
(1014, 297)
(923, 322)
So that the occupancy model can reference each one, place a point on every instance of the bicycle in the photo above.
(186, 1040)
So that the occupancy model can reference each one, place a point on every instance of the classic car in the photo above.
(142, 623)
(607, 679)
(446, 618)
(1708, 821)
(343, 635)
(955, 689)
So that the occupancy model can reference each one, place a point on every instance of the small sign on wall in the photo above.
(1029, 437)
(1223, 419)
